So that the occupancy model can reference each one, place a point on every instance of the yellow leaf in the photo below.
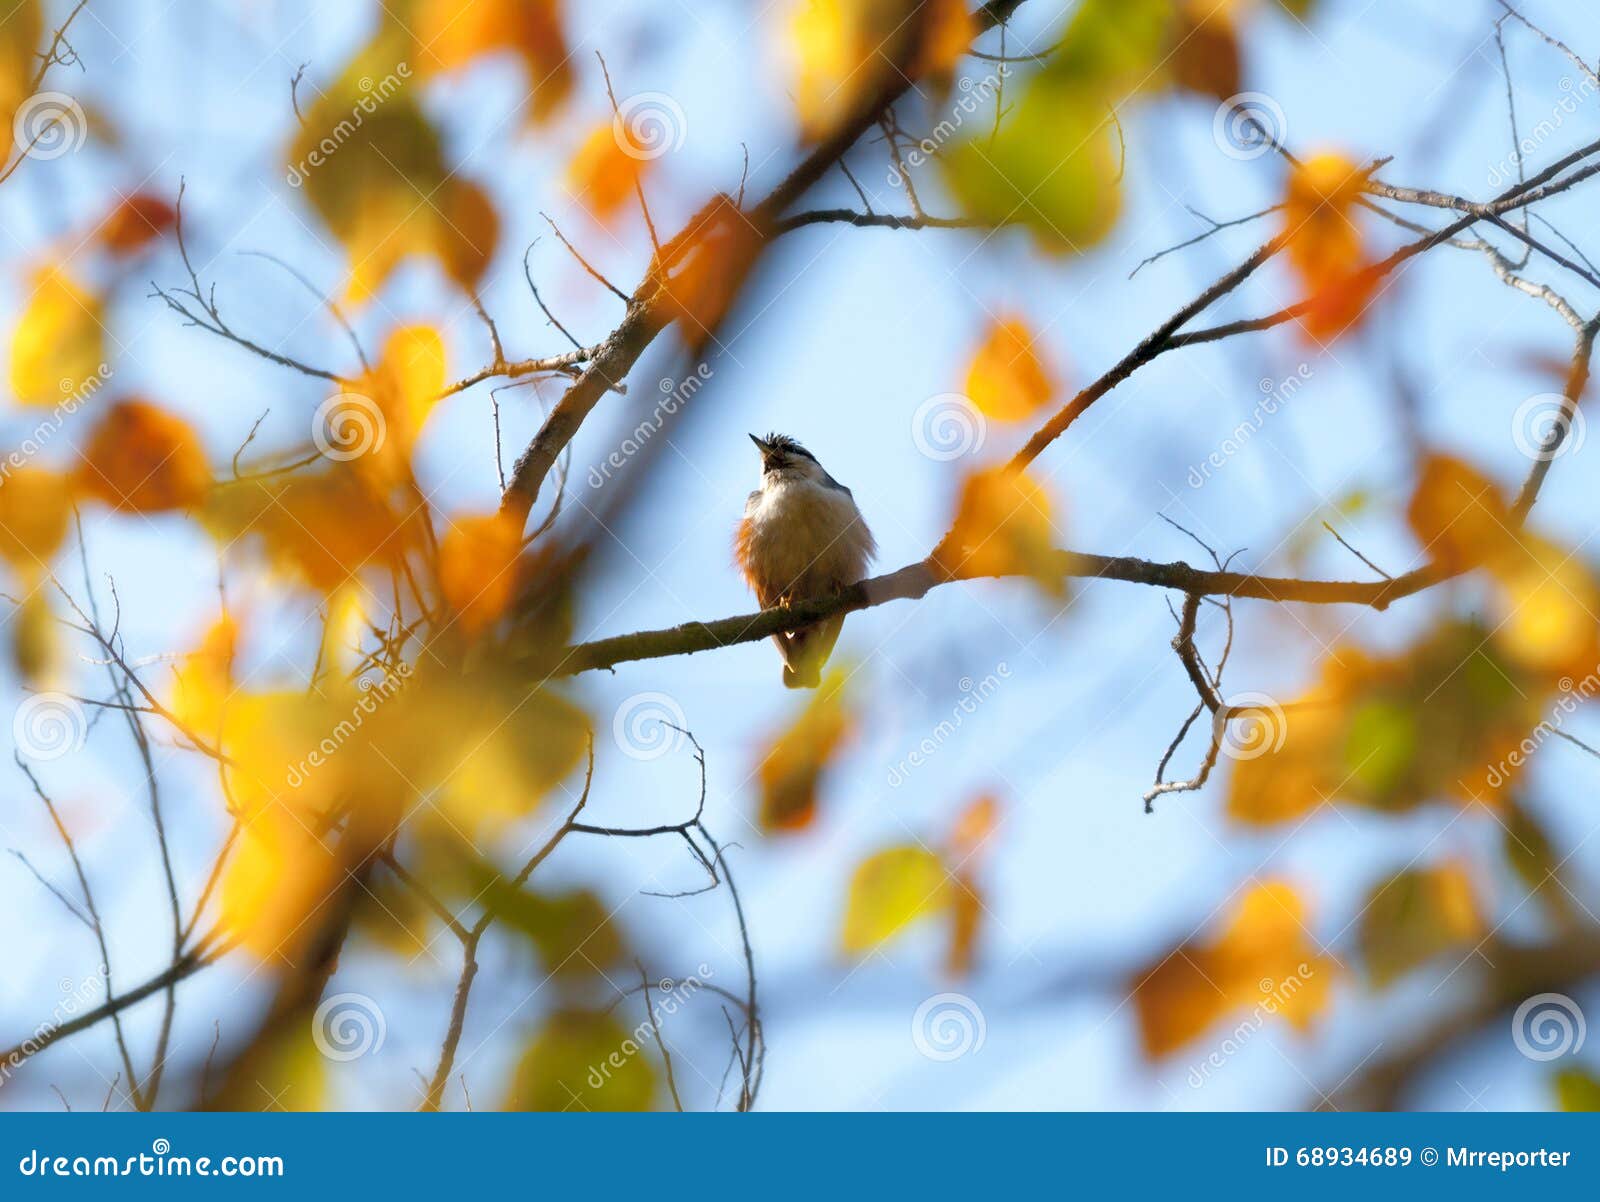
(35, 640)
(1009, 379)
(890, 890)
(1264, 960)
(583, 1060)
(791, 771)
(35, 510)
(279, 877)
(1457, 513)
(843, 52)
(141, 459)
(58, 347)
(1002, 527)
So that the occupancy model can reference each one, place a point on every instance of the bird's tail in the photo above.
(806, 650)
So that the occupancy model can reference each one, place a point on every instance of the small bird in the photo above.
(802, 537)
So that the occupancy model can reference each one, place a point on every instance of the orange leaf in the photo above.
(1205, 54)
(136, 222)
(604, 173)
(35, 510)
(142, 459)
(1263, 959)
(1009, 379)
(1002, 527)
(1325, 248)
(477, 567)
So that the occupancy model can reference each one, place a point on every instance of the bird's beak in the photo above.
(761, 446)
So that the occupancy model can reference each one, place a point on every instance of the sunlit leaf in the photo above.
(844, 51)
(1009, 378)
(1577, 1090)
(280, 876)
(791, 771)
(890, 890)
(58, 346)
(1002, 527)
(582, 1060)
(478, 567)
(1325, 245)
(451, 34)
(1053, 167)
(1416, 915)
(603, 175)
(1263, 962)
(35, 512)
(139, 458)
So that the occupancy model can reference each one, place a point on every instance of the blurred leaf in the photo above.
(581, 1060)
(373, 168)
(1546, 598)
(704, 284)
(1529, 851)
(1002, 527)
(890, 890)
(844, 51)
(603, 175)
(973, 827)
(1326, 248)
(1116, 45)
(1008, 378)
(278, 878)
(58, 346)
(791, 771)
(1577, 1090)
(284, 1071)
(1053, 167)
(325, 527)
(141, 459)
(1416, 915)
(966, 916)
(451, 34)
(136, 222)
(1205, 51)
(21, 33)
(35, 511)
(1264, 960)
(572, 931)
(946, 39)
(478, 567)
(1440, 720)
(35, 639)
(395, 917)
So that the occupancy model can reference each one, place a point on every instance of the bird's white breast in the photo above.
(804, 539)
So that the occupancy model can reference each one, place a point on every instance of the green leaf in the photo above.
(1415, 916)
(1577, 1090)
(891, 890)
(582, 1060)
(572, 931)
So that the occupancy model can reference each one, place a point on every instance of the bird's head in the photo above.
(783, 457)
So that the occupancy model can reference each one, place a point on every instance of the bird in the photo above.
(802, 537)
